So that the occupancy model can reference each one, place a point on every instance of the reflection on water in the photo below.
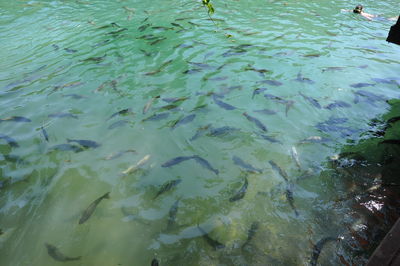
(211, 137)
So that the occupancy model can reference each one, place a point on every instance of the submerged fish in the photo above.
(74, 96)
(271, 82)
(167, 186)
(200, 131)
(119, 123)
(44, 133)
(176, 160)
(116, 155)
(223, 104)
(337, 104)
(251, 233)
(149, 103)
(97, 59)
(185, 120)
(220, 131)
(317, 249)
(256, 121)
(279, 170)
(239, 162)
(241, 192)
(302, 79)
(175, 99)
(10, 141)
(315, 139)
(258, 91)
(121, 112)
(66, 147)
(144, 27)
(89, 210)
(295, 156)
(156, 117)
(136, 166)
(311, 100)
(57, 255)
(361, 85)
(154, 262)
(85, 143)
(71, 51)
(265, 111)
(214, 243)
(63, 115)
(15, 119)
(270, 139)
(203, 162)
(172, 214)
(289, 197)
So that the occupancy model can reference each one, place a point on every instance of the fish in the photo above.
(89, 210)
(332, 69)
(149, 103)
(44, 133)
(94, 59)
(161, 28)
(270, 139)
(282, 172)
(361, 85)
(287, 103)
(170, 107)
(167, 186)
(371, 96)
(144, 27)
(241, 192)
(101, 43)
(129, 9)
(315, 139)
(71, 51)
(119, 123)
(214, 243)
(201, 65)
(136, 166)
(393, 120)
(390, 141)
(172, 214)
(154, 262)
(85, 143)
(203, 162)
(156, 117)
(311, 100)
(116, 155)
(175, 99)
(183, 121)
(337, 104)
(289, 197)
(385, 81)
(192, 71)
(200, 131)
(121, 112)
(56, 254)
(63, 115)
(66, 147)
(220, 131)
(74, 96)
(117, 31)
(19, 119)
(302, 79)
(176, 25)
(68, 85)
(145, 52)
(223, 104)
(312, 55)
(158, 40)
(239, 162)
(258, 123)
(112, 24)
(55, 46)
(271, 82)
(318, 247)
(295, 156)
(163, 65)
(10, 141)
(251, 232)
(260, 71)
(265, 111)
(176, 160)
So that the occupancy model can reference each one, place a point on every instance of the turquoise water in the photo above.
(68, 66)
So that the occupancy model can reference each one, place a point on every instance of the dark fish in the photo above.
(89, 210)
(312, 55)
(176, 160)
(241, 192)
(145, 52)
(203, 162)
(167, 186)
(184, 120)
(201, 65)
(200, 131)
(117, 31)
(10, 141)
(337, 104)
(44, 133)
(332, 69)
(279, 170)
(239, 162)
(119, 123)
(393, 120)
(71, 51)
(361, 85)
(258, 91)
(289, 197)
(122, 112)
(158, 40)
(118, 154)
(311, 100)
(256, 121)
(175, 99)
(156, 117)
(163, 65)
(85, 143)
(251, 233)
(66, 147)
(390, 141)
(271, 82)
(55, 46)
(336, 120)
(112, 24)
(219, 78)
(223, 104)
(371, 96)
(161, 28)
(63, 115)
(57, 255)
(317, 249)
(214, 243)
(192, 71)
(176, 25)
(265, 111)
(220, 131)
(74, 96)
(249, 67)
(172, 214)
(302, 79)
(287, 103)
(270, 139)
(384, 81)
(94, 59)
(15, 119)
(144, 27)
(154, 262)
(100, 43)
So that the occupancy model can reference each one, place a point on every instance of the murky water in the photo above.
(310, 74)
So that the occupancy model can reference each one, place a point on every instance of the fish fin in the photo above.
(106, 196)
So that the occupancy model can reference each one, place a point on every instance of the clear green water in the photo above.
(44, 192)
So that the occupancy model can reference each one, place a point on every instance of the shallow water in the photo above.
(68, 57)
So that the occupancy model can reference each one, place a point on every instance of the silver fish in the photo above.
(57, 255)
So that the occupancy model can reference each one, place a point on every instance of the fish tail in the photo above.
(106, 196)
(69, 140)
